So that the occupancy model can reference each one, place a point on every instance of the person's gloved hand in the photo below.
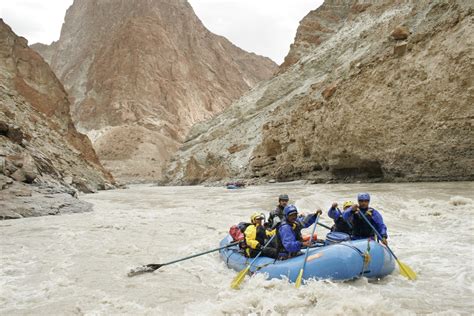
(355, 208)
(258, 247)
(305, 243)
(384, 241)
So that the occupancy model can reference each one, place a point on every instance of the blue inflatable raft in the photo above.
(334, 260)
(233, 187)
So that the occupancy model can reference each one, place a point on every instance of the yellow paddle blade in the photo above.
(239, 278)
(406, 271)
(299, 278)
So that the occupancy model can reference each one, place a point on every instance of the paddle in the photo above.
(300, 275)
(241, 276)
(325, 226)
(347, 222)
(155, 266)
(405, 270)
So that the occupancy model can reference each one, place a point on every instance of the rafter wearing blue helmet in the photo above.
(289, 235)
(360, 228)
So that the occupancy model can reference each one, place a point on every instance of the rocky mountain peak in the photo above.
(141, 73)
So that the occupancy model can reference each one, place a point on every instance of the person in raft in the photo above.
(289, 235)
(340, 225)
(256, 236)
(360, 228)
(277, 215)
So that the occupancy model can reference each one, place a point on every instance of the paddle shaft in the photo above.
(200, 254)
(347, 222)
(310, 242)
(325, 226)
(261, 251)
(378, 234)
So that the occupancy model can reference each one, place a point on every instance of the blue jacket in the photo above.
(288, 234)
(375, 219)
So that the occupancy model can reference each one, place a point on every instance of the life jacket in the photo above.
(260, 237)
(278, 212)
(360, 227)
(340, 225)
(296, 227)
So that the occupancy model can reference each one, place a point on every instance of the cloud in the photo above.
(266, 27)
(37, 21)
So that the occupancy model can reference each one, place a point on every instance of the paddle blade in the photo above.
(144, 269)
(406, 271)
(239, 278)
(299, 278)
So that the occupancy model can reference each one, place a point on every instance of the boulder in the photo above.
(83, 185)
(400, 33)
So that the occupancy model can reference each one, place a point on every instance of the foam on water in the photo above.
(77, 264)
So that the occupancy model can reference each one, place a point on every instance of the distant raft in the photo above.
(235, 185)
(333, 260)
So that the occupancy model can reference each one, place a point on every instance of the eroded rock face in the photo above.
(359, 104)
(141, 73)
(39, 146)
(320, 25)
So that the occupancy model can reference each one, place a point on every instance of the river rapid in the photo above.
(77, 264)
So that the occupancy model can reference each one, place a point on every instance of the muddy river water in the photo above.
(77, 264)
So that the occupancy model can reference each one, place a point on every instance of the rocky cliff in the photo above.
(141, 73)
(370, 90)
(44, 161)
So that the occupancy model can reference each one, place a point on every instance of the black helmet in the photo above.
(283, 197)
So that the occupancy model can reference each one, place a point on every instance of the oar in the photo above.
(155, 266)
(300, 275)
(405, 270)
(325, 226)
(241, 276)
(347, 222)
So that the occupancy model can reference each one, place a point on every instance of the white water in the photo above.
(77, 264)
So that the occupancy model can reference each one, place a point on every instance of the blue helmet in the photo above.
(363, 197)
(290, 209)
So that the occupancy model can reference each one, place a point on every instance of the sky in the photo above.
(265, 27)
